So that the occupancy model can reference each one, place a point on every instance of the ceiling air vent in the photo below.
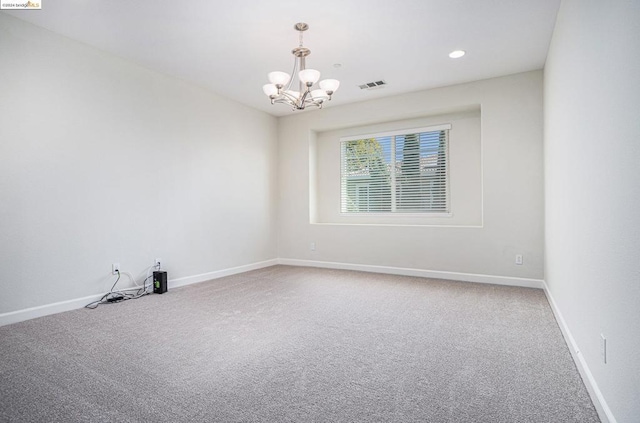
(372, 85)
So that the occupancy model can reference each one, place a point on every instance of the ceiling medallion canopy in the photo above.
(279, 90)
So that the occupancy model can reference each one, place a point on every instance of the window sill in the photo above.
(416, 225)
(392, 216)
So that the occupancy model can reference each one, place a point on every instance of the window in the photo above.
(396, 172)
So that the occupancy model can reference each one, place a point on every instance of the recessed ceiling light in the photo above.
(456, 54)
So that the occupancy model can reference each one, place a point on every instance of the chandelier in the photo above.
(279, 90)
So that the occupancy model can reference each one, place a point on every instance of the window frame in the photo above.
(400, 214)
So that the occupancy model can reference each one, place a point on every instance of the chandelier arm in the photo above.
(303, 66)
(313, 102)
(285, 101)
(304, 97)
(293, 73)
(289, 97)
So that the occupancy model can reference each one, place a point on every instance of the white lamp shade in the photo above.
(309, 76)
(279, 78)
(330, 85)
(270, 89)
(319, 95)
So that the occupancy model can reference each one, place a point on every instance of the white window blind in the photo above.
(396, 172)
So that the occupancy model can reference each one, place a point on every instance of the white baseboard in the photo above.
(45, 310)
(59, 307)
(436, 274)
(176, 283)
(604, 412)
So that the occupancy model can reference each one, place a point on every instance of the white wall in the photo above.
(592, 189)
(512, 182)
(104, 161)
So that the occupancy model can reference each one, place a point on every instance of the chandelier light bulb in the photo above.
(309, 76)
(270, 89)
(330, 85)
(279, 79)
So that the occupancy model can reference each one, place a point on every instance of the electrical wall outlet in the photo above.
(519, 259)
(158, 263)
(115, 268)
(312, 246)
(603, 348)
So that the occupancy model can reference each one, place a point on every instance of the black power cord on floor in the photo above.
(112, 296)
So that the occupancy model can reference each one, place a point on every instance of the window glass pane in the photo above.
(399, 173)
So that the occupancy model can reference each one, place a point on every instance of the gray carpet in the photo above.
(288, 344)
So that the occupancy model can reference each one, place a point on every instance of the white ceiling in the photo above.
(229, 47)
